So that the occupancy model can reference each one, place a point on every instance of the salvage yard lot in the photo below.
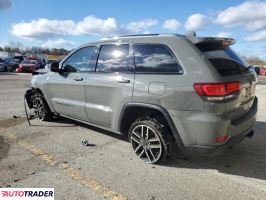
(51, 155)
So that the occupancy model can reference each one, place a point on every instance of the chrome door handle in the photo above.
(123, 81)
(78, 79)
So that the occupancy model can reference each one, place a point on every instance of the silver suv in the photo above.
(159, 90)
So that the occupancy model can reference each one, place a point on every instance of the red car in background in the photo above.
(28, 66)
(263, 71)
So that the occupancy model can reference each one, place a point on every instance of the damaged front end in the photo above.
(29, 96)
(29, 106)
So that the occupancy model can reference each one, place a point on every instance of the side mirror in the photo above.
(55, 67)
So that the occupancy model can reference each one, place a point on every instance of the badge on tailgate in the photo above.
(246, 93)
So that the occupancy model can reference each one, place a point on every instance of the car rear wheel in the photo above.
(41, 108)
(149, 141)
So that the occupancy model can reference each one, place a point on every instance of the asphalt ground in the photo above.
(51, 155)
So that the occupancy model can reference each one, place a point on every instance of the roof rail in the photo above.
(138, 35)
(142, 35)
(153, 34)
(170, 34)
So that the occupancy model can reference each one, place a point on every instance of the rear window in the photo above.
(225, 60)
(114, 58)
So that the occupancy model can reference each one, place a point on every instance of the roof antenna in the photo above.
(191, 33)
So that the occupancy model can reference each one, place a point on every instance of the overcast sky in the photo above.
(61, 23)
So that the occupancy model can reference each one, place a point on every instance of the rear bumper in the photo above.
(216, 150)
(199, 130)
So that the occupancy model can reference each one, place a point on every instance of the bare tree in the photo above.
(7, 49)
(256, 61)
(17, 47)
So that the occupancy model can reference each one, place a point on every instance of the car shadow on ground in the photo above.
(96, 129)
(260, 129)
(57, 121)
(247, 159)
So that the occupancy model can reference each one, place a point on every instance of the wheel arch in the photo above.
(30, 92)
(39, 90)
(128, 109)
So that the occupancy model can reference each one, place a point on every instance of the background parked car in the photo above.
(11, 64)
(263, 71)
(257, 70)
(42, 63)
(2, 66)
(28, 66)
(36, 59)
(20, 58)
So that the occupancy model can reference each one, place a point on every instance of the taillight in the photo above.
(232, 87)
(216, 89)
(222, 139)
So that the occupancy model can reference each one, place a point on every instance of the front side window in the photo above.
(155, 58)
(114, 58)
(83, 60)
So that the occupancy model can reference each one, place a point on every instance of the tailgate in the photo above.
(231, 68)
(240, 106)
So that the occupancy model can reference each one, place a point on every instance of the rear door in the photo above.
(111, 86)
(67, 88)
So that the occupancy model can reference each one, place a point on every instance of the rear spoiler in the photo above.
(197, 40)
(211, 43)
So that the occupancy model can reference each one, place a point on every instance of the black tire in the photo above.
(41, 107)
(145, 146)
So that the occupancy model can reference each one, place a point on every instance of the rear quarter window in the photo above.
(155, 58)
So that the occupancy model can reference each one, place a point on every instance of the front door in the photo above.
(67, 88)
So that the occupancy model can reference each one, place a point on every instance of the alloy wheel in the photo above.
(146, 143)
(39, 108)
